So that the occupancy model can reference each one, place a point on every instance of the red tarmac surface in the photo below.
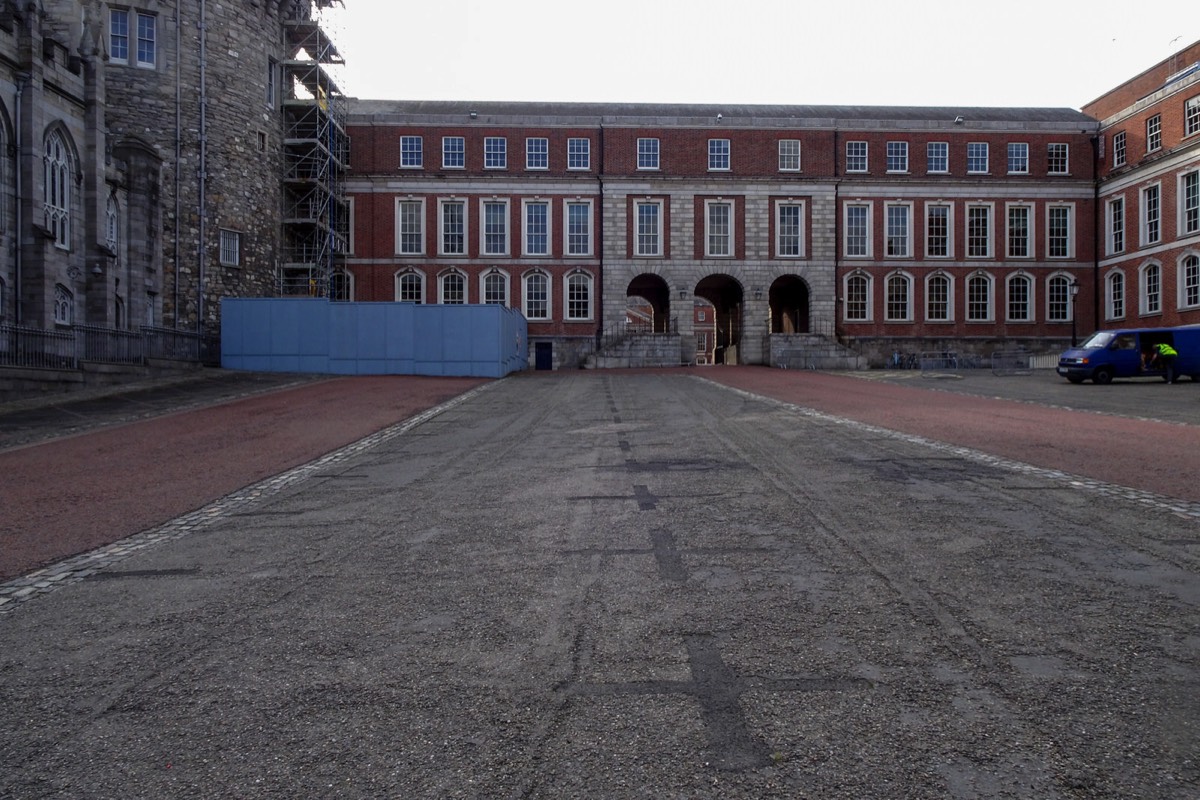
(70, 495)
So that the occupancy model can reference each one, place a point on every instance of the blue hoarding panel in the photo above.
(315, 335)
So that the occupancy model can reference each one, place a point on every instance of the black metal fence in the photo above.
(66, 348)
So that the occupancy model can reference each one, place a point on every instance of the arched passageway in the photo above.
(727, 298)
(649, 303)
(789, 302)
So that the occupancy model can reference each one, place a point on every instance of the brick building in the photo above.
(908, 228)
(1149, 196)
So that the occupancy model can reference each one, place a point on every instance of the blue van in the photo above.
(1127, 353)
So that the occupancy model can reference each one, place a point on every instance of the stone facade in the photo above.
(166, 118)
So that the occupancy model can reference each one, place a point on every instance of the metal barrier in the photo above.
(937, 361)
(34, 347)
(108, 345)
(66, 348)
(1012, 362)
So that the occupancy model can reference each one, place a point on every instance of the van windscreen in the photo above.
(1097, 340)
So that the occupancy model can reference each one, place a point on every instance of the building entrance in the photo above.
(727, 298)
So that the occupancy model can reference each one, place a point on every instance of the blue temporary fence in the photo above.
(316, 335)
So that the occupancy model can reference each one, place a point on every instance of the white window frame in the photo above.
(1030, 297)
(495, 152)
(141, 39)
(1150, 297)
(526, 237)
(789, 155)
(398, 283)
(118, 35)
(1069, 244)
(648, 150)
(526, 280)
(442, 280)
(906, 280)
(341, 286)
(869, 244)
(537, 153)
(579, 153)
(568, 246)
(949, 278)
(1119, 149)
(1063, 163)
(977, 155)
(1018, 158)
(1150, 225)
(1030, 234)
(868, 299)
(659, 249)
(1065, 280)
(452, 153)
(485, 278)
(1191, 116)
(989, 214)
(712, 233)
(1189, 202)
(410, 146)
(897, 157)
(1114, 304)
(1154, 133)
(949, 230)
(893, 237)
(569, 282)
(419, 204)
(443, 204)
(1115, 228)
(1187, 281)
(932, 157)
(484, 245)
(799, 234)
(990, 282)
(857, 156)
(720, 156)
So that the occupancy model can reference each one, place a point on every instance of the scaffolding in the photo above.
(317, 150)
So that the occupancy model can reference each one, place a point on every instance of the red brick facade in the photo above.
(979, 227)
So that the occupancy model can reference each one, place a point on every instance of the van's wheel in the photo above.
(1102, 376)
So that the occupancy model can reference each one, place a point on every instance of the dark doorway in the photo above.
(727, 297)
(650, 304)
(543, 355)
(789, 305)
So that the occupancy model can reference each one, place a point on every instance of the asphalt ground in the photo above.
(734, 583)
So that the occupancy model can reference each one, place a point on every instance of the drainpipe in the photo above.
(202, 168)
(600, 240)
(1098, 235)
(178, 151)
(23, 79)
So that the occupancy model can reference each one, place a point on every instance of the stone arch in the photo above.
(789, 305)
(728, 298)
(648, 302)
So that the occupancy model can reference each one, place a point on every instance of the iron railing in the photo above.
(65, 348)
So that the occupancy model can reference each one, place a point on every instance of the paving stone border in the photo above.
(76, 568)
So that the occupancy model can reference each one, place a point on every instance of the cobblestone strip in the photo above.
(1182, 508)
(71, 570)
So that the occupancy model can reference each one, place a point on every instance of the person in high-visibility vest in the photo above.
(1163, 357)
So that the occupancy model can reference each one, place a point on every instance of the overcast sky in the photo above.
(923, 52)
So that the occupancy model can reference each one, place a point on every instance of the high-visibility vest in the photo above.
(1166, 350)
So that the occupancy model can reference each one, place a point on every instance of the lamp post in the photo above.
(1074, 293)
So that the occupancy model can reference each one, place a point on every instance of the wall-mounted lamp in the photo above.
(758, 293)
(720, 117)
(683, 294)
(96, 270)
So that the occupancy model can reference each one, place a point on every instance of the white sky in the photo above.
(1055, 53)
